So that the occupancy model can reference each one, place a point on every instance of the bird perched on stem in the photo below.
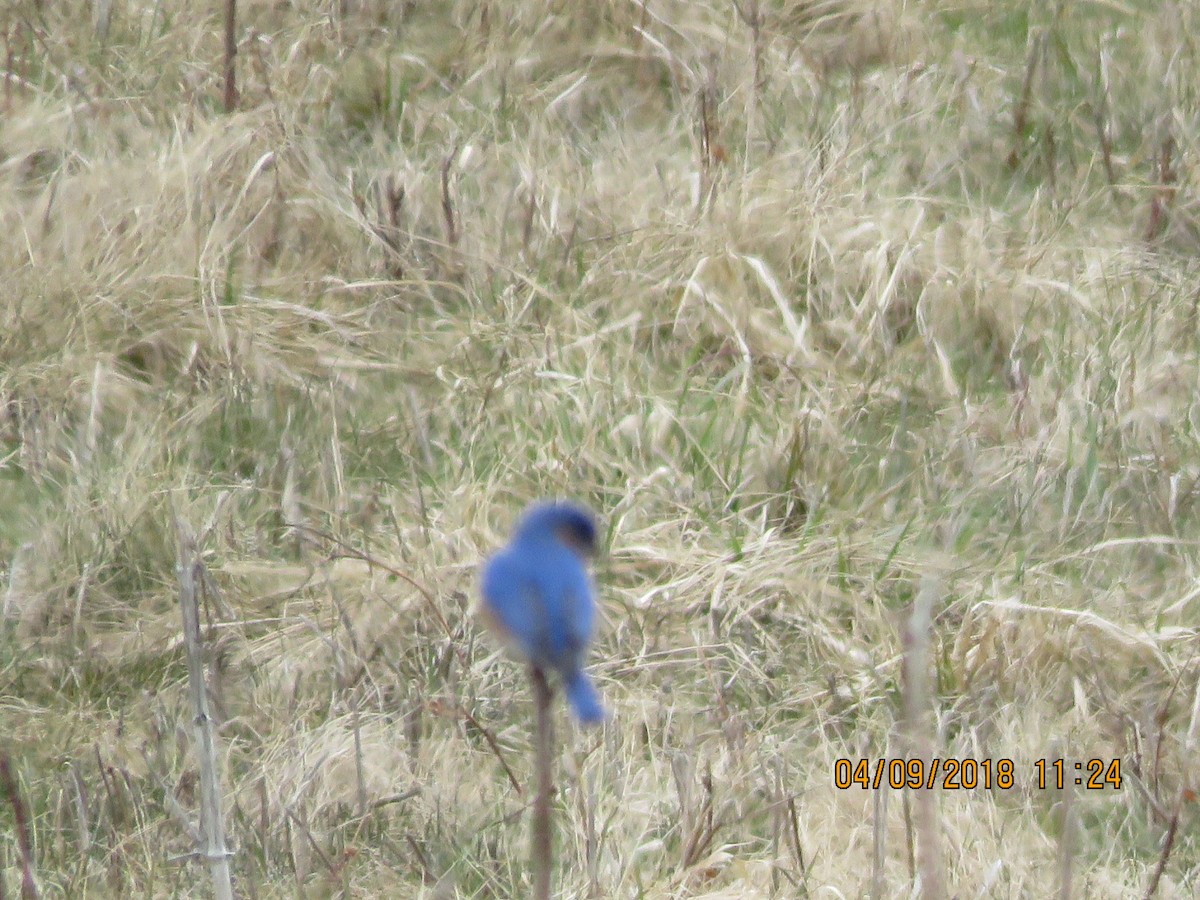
(538, 597)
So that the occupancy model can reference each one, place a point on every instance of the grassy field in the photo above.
(870, 330)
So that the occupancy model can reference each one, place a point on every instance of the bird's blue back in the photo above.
(541, 595)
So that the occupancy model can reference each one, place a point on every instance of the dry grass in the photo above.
(815, 302)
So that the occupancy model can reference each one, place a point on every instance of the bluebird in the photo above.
(538, 597)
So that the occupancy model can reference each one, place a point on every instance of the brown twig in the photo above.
(541, 841)
(703, 827)
(231, 91)
(1021, 111)
(752, 17)
(1164, 192)
(1168, 845)
(495, 747)
(453, 232)
(712, 153)
(302, 824)
(428, 875)
(391, 205)
(29, 889)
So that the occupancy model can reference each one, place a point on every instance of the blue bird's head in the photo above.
(569, 523)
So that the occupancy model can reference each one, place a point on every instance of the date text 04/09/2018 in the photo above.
(970, 774)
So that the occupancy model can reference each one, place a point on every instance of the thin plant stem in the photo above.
(29, 888)
(231, 91)
(212, 823)
(542, 845)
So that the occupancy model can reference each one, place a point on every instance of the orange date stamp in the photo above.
(969, 774)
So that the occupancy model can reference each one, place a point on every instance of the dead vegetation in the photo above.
(817, 302)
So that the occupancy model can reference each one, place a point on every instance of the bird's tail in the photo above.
(584, 700)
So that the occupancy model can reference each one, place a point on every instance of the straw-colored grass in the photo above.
(814, 302)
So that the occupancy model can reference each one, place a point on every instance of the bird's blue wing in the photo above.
(511, 600)
(581, 610)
